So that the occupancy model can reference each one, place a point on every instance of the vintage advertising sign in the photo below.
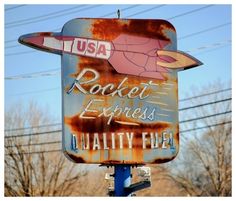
(119, 87)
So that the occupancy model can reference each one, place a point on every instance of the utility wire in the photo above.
(59, 15)
(12, 46)
(146, 10)
(204, 104)
(35, 144)
(124, 9)
(12, 40)
(33, 92)
(211, 50)
(204, 31)
(190, 12)
(57, 29)
(34, 75)
(33, 127)
(45, 15)
(204, 117)
(14, 7)
(202, 127)
(33, 134)
(35, 152)
(206, 94)
(209, 46)
(57, 124)
(20, 53)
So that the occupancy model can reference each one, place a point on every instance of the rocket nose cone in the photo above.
(23, 39)
(31, 40)
(36, 41)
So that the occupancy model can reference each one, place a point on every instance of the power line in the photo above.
(124, 9)
(14, 7)
(52, 17)
(12, 46)
(176, 16)
(33, 127)
(33, 92)
(12, 40)
(34, 144)
(57, 29)
(206, 94)
(204, 31)
(204, 117)
(34, 75)
(211, 50)
(20, 53)
(35, 152)
(209, 46)
(45, 15)
(204, 104)
(33, 134)
(146, 10)
(190, 12)
(202, 127)
(180, 38)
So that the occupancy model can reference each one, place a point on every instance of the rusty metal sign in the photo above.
(119, 87)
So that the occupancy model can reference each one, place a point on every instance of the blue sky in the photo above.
(203, 30)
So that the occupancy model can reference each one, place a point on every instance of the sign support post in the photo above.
(122, 179)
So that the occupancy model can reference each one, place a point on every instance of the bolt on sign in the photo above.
(119, 88)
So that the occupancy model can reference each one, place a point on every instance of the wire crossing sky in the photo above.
(32, 75)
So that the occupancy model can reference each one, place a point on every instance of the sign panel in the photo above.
(119, 87)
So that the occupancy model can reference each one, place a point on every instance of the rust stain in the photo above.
(113, 162)
(163, 160)
(46, 34)
(77, 124)
(77, 159)
(152, 29)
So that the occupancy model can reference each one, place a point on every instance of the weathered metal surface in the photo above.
(120, 89)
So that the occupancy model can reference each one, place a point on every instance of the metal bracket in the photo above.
(137, 186)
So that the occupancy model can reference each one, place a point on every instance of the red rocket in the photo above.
(127, 54)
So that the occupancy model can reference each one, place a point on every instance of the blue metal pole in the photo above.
(122, 179)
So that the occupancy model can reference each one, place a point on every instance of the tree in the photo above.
(31, 169)
(203, 167)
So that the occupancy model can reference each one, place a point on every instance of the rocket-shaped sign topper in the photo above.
(119, 87)
(134, 51)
